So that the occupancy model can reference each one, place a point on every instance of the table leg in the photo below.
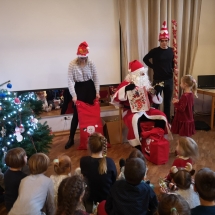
(212, 112)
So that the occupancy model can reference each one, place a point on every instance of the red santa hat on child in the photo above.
(164, 34)
(137, 68)
(83, 49)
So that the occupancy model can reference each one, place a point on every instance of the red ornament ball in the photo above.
(17, 101)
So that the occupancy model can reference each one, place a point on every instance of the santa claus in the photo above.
(138, 78)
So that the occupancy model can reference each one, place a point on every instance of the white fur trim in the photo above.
(139, 71)
(134, 142)
(122, 95)
(83, 55)
(162, 118)
(135, 118)
(124, 113)
(157, 99)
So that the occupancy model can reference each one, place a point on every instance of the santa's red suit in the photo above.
(130, 119)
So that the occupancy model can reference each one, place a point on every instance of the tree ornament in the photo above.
(0, 108)
(17, 101)
(34, 122)
(2, 95)
(19, 137)
(4, 150)
(21, 128)
(9, 85)
(17, 130)
(3, 131)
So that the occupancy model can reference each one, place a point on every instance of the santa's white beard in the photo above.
(139, 80)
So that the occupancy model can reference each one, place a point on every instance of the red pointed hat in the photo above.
(135, 66)
(83, 49)
(164, 34)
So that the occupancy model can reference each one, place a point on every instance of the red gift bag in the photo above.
(154, 146)
(147, 125)
(89, 121)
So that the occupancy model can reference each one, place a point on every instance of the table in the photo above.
(209, 92)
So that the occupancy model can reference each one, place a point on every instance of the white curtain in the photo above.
(141, 20)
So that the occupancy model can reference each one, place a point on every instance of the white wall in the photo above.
(205, 57)
(39, 38)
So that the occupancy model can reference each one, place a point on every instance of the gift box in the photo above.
(154, 146)
(111, 129)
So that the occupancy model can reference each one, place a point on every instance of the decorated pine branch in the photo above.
(19, 126)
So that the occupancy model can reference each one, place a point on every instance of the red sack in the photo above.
(154, 146)
(147, 126)
(89, 121)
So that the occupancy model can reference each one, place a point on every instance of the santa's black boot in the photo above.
(138, 147)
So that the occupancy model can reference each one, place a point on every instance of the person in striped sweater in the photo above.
(83, 84)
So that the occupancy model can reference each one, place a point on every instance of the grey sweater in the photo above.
(35, 192)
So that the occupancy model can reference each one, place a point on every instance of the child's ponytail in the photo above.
(103, 162)
(191, 82)
(194, 88)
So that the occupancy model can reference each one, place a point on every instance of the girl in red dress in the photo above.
(183, 122)
(187, 151)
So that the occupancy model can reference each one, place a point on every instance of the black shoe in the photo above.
(121, 163)
(138, 147)
(69, 144)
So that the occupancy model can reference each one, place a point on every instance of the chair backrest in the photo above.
(104, 96)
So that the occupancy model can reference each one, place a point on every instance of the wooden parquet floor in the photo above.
(204, 139)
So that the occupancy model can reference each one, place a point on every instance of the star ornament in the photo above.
(3, 132)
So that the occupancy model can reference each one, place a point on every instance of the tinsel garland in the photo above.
(174, 31)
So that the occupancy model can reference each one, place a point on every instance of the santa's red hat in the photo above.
(136, 67)
(83, 49)
(164, 34)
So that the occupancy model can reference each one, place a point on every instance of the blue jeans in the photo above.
(167, 94)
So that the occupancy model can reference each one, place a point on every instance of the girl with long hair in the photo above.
(99, 170)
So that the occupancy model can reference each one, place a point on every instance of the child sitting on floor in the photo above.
(205, 187)
(171, 204)
(182, 184)
(132, 196)
(62, 168)
(135, 153)
(187, 152)
(99, 170)
(15, 159)
(36, 191)
(70, 196)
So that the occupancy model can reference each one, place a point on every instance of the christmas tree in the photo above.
(19, 126)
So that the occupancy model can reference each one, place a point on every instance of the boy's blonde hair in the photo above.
(189, 147)
(191, 82)
(62, 165)
(15, 157)
(97, 143)
(38, 163)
